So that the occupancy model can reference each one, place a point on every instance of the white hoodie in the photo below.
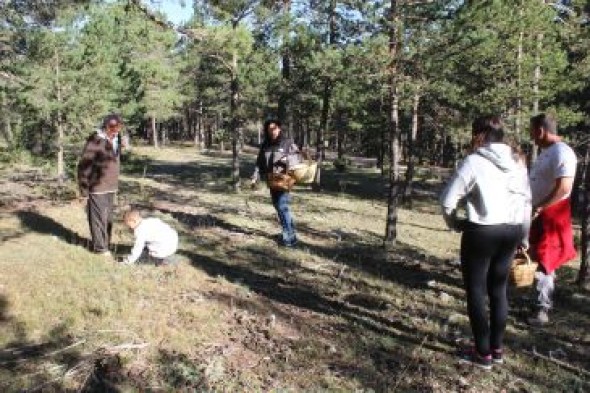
(160, 239)
(494, 186)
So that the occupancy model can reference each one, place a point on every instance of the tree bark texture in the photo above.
(394, 187)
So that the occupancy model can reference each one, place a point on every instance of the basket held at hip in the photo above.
(280, 182)
(522, 272)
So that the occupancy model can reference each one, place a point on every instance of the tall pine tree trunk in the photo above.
(154, 131)
(164, 133)
(321, 133)
(285, 69)
(307, 134)
(259, 127)
(393, 195)
(200, 126)
(326, 98)
(518, 109)
(536, 82)
(341, 124)
(584, 273)
(234, 119)
(8, 134)
(382, 149)
(59, 125)
(60, 152)
(407, 194)
(187, 124)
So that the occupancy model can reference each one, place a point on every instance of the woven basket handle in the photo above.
(526, 255)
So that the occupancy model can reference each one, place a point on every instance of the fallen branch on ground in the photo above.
(124, 347)
(46, 355)
(558, 362)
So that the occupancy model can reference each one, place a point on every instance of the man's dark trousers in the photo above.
(100, 218)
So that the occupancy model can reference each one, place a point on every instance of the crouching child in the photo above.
(153, 234)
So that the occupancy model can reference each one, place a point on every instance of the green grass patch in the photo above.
(337, 313)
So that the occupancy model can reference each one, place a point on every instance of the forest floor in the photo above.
(239, 314)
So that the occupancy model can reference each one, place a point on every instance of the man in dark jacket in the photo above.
(98, 180)
(277, 154)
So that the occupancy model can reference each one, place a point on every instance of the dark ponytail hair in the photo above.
(490, 128)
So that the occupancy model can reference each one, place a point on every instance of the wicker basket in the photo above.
(304, 173)
(522, 272)
(280, 182)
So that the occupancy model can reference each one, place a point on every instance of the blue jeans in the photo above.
(280, 201)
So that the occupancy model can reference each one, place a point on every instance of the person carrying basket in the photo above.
(276, 156)
(494, 185)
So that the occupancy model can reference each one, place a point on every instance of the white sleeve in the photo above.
(457, 188)
(140, 241)
(566, 162)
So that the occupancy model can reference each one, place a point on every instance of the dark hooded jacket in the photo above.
(98, 169)
(276, 156)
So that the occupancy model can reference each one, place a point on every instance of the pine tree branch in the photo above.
(197, 35)
(223, 61)
(191, 33)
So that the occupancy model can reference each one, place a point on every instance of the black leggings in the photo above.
(486, 255)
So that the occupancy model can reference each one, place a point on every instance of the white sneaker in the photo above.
(541, 319)
(126, 261)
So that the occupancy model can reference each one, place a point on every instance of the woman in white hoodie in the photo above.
(493, 183)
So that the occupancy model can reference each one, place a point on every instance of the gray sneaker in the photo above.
(541, 319)
(126, 261)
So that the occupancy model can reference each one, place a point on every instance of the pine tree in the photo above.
(236, 41)
(50, 79)
(151, 73)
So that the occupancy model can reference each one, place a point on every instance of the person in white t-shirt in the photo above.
(160, 239)
(551, 238)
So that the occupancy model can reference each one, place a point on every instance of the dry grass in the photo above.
(239, 314)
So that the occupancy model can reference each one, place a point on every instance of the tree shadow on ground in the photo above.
(59, 361)
(215, 176)
(566, 334)
(39, 223)
(430, 228)
(44, 365)
(405, 265)
(288, 290)
(194, 221)
(284, 291)
(45, 225)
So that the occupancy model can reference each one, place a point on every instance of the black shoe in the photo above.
(497, 356)
(471, 356)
